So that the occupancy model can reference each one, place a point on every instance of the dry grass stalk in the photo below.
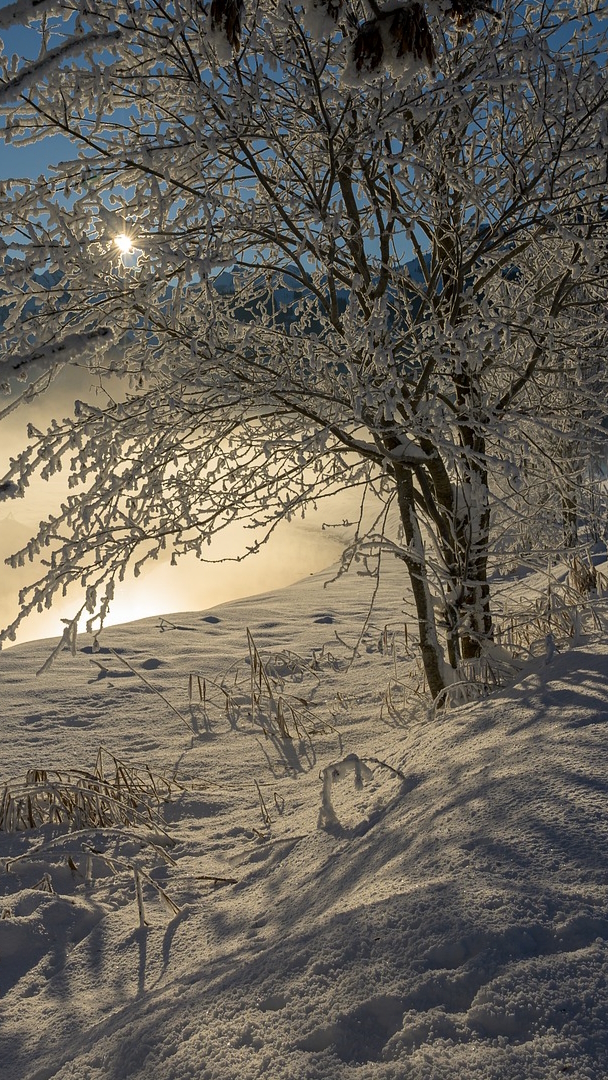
(113, 793)
(116, 865)
(55, 850)
(154, 690)
(562, 612)
(261, 694)
(264, 809)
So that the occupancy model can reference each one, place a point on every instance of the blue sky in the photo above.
(32, 161)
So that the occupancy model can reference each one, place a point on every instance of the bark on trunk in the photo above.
(414, 559)
(476, 614)
(569, 517)
(474, 521)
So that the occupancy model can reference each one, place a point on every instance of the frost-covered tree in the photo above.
(342, 252)
(555, 498)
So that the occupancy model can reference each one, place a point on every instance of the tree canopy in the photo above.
(322, 264)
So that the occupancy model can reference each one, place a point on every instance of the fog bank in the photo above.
(294, 550)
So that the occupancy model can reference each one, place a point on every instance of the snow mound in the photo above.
(449, 921)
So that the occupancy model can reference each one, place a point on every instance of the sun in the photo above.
(124, 243)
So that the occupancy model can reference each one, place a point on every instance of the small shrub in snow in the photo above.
(257, 688)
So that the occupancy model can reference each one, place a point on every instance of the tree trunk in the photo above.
(569, 515)
(414, 559)
(476, 615)
(473, 517)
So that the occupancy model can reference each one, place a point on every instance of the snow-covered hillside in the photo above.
(446, 919)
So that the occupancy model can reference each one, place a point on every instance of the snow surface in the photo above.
(449, 919)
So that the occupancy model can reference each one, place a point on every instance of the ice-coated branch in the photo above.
(26, 11)
(41, 68)
(72, 348)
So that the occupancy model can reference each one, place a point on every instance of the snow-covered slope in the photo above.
(449, 919)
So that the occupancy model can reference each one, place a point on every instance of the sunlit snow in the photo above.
(447, 919)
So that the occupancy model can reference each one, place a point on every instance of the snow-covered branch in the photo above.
(46, 64)
(23, 12)
(324, 282)
(73, 348)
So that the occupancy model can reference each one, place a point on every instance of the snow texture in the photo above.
(318, 18)
(451, 923)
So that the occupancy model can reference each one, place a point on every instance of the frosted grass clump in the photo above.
(112, 793)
